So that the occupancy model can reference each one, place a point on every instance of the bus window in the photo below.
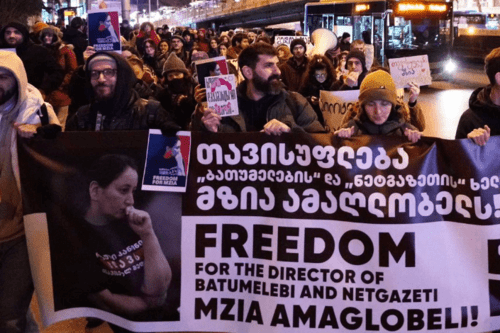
(418, 33)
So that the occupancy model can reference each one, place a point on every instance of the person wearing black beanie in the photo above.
(293, 70)
(356, 67)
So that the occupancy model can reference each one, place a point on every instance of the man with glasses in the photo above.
(177, 46)
(293, 70)
(115, 105)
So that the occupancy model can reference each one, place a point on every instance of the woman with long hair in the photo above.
(151, 57)
(318, 76)
(213, 48)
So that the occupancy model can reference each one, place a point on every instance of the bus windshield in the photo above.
(418, 33)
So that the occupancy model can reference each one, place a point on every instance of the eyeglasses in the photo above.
(108, 73)
(320, 76)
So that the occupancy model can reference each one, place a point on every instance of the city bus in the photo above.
(395, 28)
(476, 34)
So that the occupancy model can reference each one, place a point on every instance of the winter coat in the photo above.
(416, 116)
(396, 124)
(66, 58)
(42, 69)
(79, 41)
(481, 112)
(124, 111)
(291, 73)
(288, 107)
(26, 109)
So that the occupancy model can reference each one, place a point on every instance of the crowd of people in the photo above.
(55, 81)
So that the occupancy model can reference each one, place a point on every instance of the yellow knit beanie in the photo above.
(378, 85)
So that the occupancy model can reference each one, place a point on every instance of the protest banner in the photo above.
(104, 30)
(410, 69)
(334, 105)
(167, 162)
(210, 67)
(296, 233)
(221, 94)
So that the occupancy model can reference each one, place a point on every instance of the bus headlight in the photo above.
(450, 66)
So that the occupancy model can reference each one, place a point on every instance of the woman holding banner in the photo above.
(378, 110)
(121, 267)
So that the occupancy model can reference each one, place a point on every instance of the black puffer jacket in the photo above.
(481, 112)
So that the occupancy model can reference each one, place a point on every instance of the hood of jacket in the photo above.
(24, 31)
(480, 102)
(10, 61)
(125, 82)
(399, 117)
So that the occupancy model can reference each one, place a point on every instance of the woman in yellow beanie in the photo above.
(379, 111)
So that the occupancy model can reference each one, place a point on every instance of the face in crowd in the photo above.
(299, 51)
(163, 47)
(13, 37)
(321, 75)
(223, 50)
(149, 49)
(213, 44)
(103, 74)
(244, 43)
(176, 44)
(266, 75)
(378, 111)
(354, 65)
(8, 85)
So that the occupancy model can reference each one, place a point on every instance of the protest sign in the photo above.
(115, 5)
(221, 95)
(296, 233)
(210, 67)
(334, 105)
(167, 162)
(410, 69)
(287, 40)
(104, 30)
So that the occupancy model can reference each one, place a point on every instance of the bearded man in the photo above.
(264, 105)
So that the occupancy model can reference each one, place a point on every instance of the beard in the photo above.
(179, 86)
(6, 95)
(271, 86)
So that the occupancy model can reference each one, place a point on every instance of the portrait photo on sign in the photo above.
(211, 67)
(167, 162)
(113, 247)
(104, 30)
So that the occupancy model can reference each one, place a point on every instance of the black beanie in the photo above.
(297, 41)
(358, 55)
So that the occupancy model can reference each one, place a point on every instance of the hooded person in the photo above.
(66, 58)
(76, 36)
(178, 94)
(42, 69)
(378, 110)
(114, 104)
(22, 108)
(356, 72)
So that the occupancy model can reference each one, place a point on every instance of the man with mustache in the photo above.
(22, 111)
(263, 103)
(114, 104)
(41, 67)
